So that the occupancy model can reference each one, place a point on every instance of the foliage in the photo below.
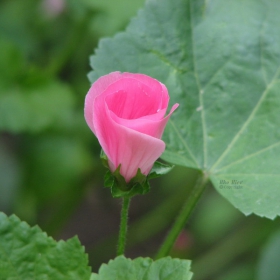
(144, 269)
(28, 253)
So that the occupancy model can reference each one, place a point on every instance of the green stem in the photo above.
(123, 226)
(183, 216)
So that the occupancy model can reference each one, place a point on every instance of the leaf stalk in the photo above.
(183, 216)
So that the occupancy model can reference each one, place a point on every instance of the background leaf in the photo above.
(37, 108)
(144, 269)
(28, 253)
(112, 15)
(269, 262)
(10, 177)
(220, 61)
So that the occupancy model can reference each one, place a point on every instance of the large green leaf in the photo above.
(220, 60)
(122, 268)
(28, 253)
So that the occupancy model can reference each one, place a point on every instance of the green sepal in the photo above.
(136, 189)
(119, 188)
(104, 159)
(120, 181)
(108, 179)
(159, 169)
(139, 184)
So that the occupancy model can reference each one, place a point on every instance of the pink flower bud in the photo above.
(53, 8)
(126, 112)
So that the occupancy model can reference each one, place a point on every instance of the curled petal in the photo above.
(96, 89)
(125, 146)
(152, 127)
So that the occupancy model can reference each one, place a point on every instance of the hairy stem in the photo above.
(183, 216)
(123, 226)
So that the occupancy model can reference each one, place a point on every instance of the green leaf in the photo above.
(28, 253)
(36, 108)
(159, 169)
(269, 263)
(221, 61)
(10, 177)
(11, 62)
(112, 15)
(144, 269)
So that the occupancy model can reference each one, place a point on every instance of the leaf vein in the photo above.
(249, 156)
(184, 142)
(249, 174)
(216, 73)
(262, 51)
(200, 92)
(247, 122)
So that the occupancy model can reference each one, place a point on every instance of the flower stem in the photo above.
(123, 226)
(183, 216)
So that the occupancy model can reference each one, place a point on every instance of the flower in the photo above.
(53, 8)
(126, 112)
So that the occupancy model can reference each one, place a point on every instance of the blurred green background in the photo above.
(50, 172)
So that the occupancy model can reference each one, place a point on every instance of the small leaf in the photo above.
(159, 169)
(144, 269)
(28, 253)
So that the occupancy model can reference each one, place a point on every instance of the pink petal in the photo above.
(141, 83)
(96, 89)
(130, 99)
(125, 146)
(152, 83)
(146, 125)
